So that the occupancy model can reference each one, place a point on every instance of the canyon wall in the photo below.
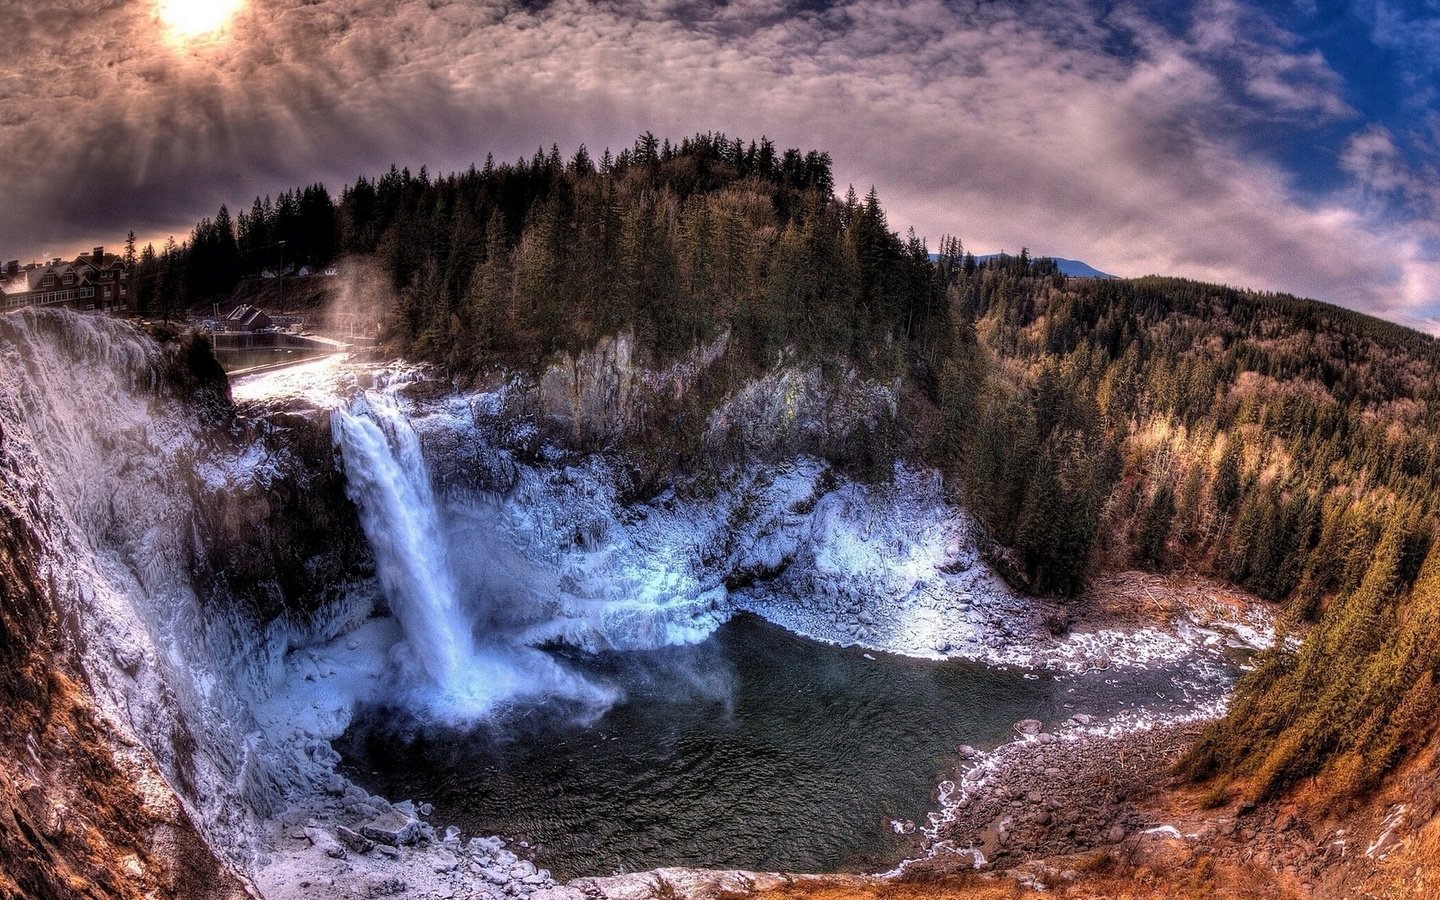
(160, 555)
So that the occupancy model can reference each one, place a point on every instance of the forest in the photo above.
(1288, 446)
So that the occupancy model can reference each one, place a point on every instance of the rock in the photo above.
(558, 892)
(445, 862)
(407, 807)
(381, 885)
(355, 841)
(967, 752)
(325, 842)
(1116, 834)
(1029, 727)
(426, 809)
(335, 785)
(482, 846)
(1083, 718)
(393, 828)
(522, 869)
(452, 834)
(494, 876)
(387, 850)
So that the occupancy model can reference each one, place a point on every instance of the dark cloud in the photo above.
(1101, 134)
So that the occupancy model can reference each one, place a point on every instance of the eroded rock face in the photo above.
(157, 552)
(84, 810)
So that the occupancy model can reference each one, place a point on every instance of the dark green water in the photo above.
(757, 749)
(236, 360)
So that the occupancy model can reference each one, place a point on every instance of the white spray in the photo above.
(387, 478)
(465, 675)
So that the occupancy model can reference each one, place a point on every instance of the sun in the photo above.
(188, 20)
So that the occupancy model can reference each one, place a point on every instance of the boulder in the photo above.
(1029, 727)
(392, 828)
(325, 842)
(354, 840)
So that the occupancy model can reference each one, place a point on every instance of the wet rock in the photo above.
(1029, 727)
(557, 893)
(967, 752)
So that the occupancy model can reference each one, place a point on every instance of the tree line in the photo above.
(1287, 446)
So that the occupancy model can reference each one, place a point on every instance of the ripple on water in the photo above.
(756, 749)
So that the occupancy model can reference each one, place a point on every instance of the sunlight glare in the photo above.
(187, 20)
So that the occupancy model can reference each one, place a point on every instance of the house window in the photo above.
(107, 292)
(69, 277)
(48, 281)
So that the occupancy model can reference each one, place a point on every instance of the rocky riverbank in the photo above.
(1050, 794)
(349, 844)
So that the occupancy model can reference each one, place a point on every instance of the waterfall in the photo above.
(389, 482)
(463, 675)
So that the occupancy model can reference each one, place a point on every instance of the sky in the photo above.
(1289, 146)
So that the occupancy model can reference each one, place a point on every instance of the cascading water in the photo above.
(388, 480)
(467, 674)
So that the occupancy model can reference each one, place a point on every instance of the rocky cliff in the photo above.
(158, 551)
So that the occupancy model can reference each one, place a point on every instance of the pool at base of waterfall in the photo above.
(756, 749)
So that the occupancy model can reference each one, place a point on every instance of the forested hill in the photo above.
(1285, 445)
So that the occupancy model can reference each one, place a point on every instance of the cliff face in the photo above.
(157, 554)
(84, 808)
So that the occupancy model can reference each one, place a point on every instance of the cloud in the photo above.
(1076, 129)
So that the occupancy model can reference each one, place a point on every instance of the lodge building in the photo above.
(91, 281)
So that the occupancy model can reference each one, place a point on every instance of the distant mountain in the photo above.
(1072, 267)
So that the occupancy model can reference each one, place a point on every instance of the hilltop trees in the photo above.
(1290, 447)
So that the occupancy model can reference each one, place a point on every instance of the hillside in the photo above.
(1091, 425)
(1095, 425)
